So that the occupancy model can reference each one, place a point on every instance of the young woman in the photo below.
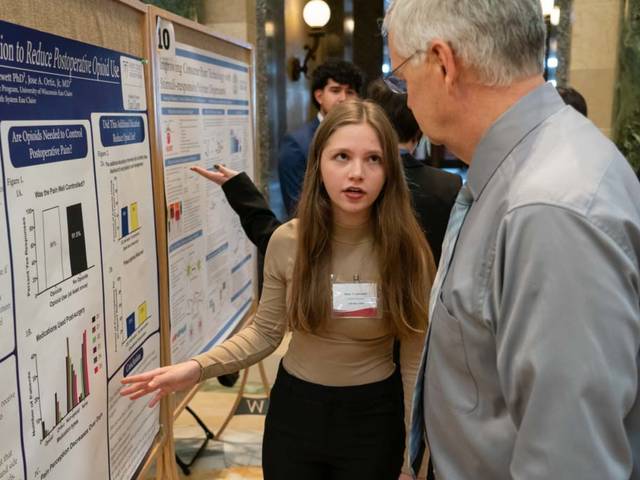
(348, 276)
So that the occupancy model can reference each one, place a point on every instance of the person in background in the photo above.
(332, 83)
(572, 97)
(348, 275)
(532, 363)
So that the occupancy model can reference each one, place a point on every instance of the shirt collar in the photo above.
(508, 131)
(320, 117)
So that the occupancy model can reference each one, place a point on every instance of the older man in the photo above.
(531, 368)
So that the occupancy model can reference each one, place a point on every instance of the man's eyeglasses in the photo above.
(395, 84)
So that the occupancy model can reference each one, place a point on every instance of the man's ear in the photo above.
(446, 61)
(317, 94)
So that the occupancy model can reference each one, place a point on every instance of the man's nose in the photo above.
(342, 96)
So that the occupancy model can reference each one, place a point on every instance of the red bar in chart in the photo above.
(85, 366)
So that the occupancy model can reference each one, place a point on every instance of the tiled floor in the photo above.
(240, 443)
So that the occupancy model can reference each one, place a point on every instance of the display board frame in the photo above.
(202, 37)
(129, 26)
(119, 25)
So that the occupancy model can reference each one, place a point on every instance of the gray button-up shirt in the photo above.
(532, 366)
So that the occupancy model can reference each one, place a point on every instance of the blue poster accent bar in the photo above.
(212, 61)
(183, 241)
(41, 144)
(241, 263)
(56, 76)
(54, 55)
(133, 361)
(180, 111)
(178, 160)
(218, 251)
(213, 111)
(166, 97)
(121, 130)
(241, 291)
(232, 321)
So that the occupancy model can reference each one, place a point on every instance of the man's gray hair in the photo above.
(503, 40)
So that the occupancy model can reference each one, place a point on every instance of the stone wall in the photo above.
(593, 70)
(564, 42)
(627, 108)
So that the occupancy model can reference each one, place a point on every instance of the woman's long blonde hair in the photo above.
(405, 260)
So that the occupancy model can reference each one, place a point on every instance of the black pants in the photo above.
(333, 433)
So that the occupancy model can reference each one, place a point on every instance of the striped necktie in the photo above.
(456, 219)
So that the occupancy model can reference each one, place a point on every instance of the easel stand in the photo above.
(258, 407)
(185, 467)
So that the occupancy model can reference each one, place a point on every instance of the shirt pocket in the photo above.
(449, 373)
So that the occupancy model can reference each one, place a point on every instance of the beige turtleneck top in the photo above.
(347, 351)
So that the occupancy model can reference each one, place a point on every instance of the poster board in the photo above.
(79, 304)
(204, 104)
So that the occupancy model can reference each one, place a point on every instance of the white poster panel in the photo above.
(205, 120)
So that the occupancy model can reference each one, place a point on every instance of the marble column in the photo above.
(593, 69)
(627, 107)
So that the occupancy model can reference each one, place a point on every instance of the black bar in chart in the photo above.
(77, 246)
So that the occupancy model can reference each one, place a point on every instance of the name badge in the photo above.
(355, 300)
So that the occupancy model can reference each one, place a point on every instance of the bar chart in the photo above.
(128, 316)
(56, 248)
(136, 318)
(129, 219)
(69, 393)
(124, 215)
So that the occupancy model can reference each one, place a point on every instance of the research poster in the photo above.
(205, 118)
(78, 271)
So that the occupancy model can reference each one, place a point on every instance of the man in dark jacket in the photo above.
(332, 83)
